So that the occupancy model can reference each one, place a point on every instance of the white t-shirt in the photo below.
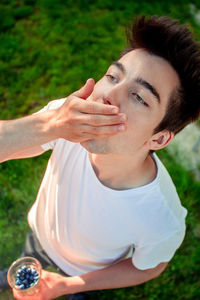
(84, 225)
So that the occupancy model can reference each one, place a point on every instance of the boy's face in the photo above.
(140, 84)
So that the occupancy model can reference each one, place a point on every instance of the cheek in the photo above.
(140, 125)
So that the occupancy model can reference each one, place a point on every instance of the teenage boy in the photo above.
(107, 212)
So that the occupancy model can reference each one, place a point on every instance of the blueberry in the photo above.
(36, 278)
(26, 277)
(18, 282)
(31, 277)
(21, 287)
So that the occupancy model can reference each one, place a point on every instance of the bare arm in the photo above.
(122, 274)
(119, 275)
(23, 137)
(76, 120)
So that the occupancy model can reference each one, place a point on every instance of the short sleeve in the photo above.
(51, 105)
(150, 256)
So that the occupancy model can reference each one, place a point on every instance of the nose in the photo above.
(112, 96)
(104, 100)
(107, 100)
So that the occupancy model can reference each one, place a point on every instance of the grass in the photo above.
(48, 50)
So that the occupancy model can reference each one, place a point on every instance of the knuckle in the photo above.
(105, 109)
(69, 104)
(68, 99)
(89, 119)
(70, 119)
(92, 107)
(72, 104)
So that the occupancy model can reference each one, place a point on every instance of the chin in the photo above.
(100, 146)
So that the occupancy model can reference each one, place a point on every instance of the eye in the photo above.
(111, 78)
(139, 99)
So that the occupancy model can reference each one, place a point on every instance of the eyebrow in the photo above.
(119, 66)
(148, 86)
(138, 80)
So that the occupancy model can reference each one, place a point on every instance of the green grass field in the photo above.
(48, 50)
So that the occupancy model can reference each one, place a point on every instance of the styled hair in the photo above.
(166, 38)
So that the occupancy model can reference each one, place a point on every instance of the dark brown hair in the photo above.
(168, 39)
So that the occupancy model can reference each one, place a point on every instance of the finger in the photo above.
(86, 90)
(91, 107)
(102, 120)
(92, 131)
(17, 295)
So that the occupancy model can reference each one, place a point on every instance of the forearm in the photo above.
(21, 134)
(122, 274)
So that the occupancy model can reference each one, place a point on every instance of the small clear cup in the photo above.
(29, 262)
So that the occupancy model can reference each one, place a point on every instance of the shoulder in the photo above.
(167, 190)
(167, 211)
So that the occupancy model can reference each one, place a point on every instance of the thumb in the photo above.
(86, 90)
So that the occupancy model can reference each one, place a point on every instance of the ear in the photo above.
(160, 140)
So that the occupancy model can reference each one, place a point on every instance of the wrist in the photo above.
(47, 124)
(72, 285)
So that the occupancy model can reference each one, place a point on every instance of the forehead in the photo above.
(152, 68)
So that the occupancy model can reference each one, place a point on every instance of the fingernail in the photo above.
(114, 110)
(89, 79)
(121, 127)
(123, 117)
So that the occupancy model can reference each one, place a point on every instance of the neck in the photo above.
(123, 172)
